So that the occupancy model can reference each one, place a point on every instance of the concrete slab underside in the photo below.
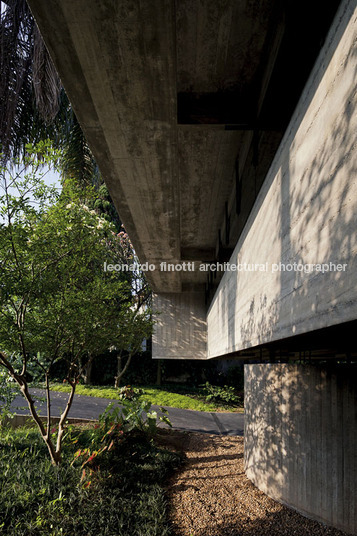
(305, 214)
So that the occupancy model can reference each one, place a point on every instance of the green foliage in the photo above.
(116, 424)
(129, 393)
(135, 415)
(125, 496)
(34, 105)
(52, 253)
(104, 205)
(225, 394)
(56, 300)
(159, 396)
(8, 392)
(167, 396)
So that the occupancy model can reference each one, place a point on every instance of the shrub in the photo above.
(129, 393)
(135, 414)
(225, 394)
(116, 424)
(8, 392)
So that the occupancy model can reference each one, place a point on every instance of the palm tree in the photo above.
(33, 103)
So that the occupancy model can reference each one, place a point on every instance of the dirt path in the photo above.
(211, 496)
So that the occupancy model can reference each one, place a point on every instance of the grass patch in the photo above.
(126, 496)
(167, 395)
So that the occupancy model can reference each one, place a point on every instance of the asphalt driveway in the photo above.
(88, 407)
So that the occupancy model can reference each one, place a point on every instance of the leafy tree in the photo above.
(56, 301)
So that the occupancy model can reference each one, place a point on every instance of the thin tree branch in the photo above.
(63, 417)
(48, 400)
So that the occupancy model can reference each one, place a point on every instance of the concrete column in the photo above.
(300, 439)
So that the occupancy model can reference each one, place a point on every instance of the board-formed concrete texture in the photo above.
(226, 131)
(300, 439)
(305, 213)
(181, 328)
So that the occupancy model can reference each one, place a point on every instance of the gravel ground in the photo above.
(211, 496)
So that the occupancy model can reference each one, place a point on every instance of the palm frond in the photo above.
(46, 82)
(16, 30)
(33, 103)
(78, 160)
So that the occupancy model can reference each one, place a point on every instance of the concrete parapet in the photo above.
(304, 216)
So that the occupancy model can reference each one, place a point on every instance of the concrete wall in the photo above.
(181, 329)
(305, 213)
(300, 439)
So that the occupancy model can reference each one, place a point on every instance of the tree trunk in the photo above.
(45, 431)
(61, 424)
(88, 372)
(121, 371)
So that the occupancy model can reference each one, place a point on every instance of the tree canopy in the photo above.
(56, 300)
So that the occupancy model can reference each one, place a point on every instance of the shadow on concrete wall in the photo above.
(300, 437)
(330, 236)
(181, 328)
(317, 222)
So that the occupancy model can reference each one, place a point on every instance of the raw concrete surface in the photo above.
(305, 213)
(300, 438)
(170, 96)
(87, 407)
(181, 329)
(154, 85)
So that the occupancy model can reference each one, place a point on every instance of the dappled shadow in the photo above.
(224, 458)
(281, 523)
(187, 483)
(307, 209)
(181, 328)
(299, 437)
(305, 213)
(301, 422)
(207, 497)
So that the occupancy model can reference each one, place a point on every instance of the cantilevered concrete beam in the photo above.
(117, 63)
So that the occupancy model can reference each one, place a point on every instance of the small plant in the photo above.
(133, 415)
(89, 456)
(129, 393)
(8, 392)
(225, 395)
(39, 499)
(141, 416)
(114, 427)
